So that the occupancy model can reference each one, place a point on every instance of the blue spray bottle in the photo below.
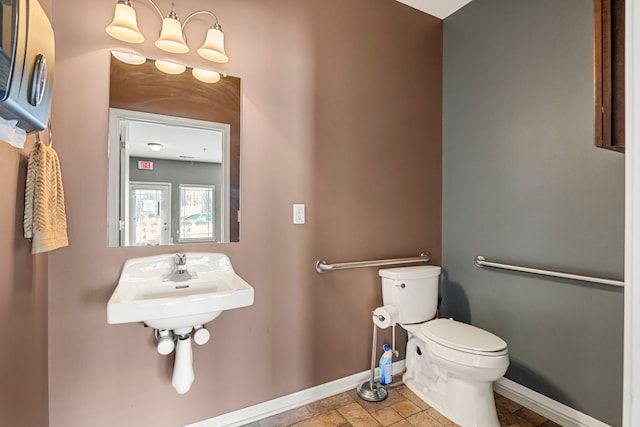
(385, 366)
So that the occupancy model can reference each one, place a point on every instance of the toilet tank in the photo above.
(412, 290)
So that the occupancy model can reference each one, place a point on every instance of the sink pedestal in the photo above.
(183, 375)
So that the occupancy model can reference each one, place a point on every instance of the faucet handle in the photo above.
(180, 258)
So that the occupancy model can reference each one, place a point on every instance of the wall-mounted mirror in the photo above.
(174, 157)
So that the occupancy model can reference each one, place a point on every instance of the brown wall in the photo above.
(23, 301)
(341, 110)
(23, 304)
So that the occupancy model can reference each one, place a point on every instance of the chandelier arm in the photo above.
(157, 9)
(199, 12)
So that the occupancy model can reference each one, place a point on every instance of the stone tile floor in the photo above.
(402, 408)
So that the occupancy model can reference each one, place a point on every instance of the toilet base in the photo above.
(470, 407)
(450, 389)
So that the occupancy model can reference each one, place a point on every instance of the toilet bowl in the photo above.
(449, 364)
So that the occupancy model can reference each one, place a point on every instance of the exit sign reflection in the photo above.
(145, 165)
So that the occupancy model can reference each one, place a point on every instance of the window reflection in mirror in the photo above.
(174, 157)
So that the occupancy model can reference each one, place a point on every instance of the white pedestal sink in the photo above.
(169, 297)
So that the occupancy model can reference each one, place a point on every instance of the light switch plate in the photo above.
(298, 213)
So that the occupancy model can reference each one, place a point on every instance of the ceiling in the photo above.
(178, 142)
(438, 8)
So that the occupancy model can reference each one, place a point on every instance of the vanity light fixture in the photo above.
(124, 27)
(154, 146)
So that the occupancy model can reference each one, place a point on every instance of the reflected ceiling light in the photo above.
(128, 57)
(124, 27)
(154, 146)
(206, 76)
(170, 67)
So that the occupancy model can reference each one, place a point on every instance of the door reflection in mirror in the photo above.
(168, 170)
(149, 214)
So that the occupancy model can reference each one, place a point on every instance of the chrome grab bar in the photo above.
(480, 261)
(322, 265)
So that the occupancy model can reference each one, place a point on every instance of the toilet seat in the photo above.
(463, 337)
(477, 360)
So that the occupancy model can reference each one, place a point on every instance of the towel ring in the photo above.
(50, 136)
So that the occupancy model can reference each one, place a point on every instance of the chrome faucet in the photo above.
(181, 262)
(180, 272)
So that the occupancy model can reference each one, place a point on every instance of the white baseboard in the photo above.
(548, 408)
(291, 401)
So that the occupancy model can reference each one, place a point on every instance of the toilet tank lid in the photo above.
(406, 273)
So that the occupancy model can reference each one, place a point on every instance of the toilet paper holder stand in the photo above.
(381, 318)
(371, 390)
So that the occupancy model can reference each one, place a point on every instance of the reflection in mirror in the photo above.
(174, 157)
(170, 168)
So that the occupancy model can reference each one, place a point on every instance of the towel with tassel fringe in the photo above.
(45, 220)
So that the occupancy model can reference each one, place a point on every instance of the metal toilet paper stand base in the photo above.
(371, 390)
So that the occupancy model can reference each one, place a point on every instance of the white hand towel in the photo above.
(45, 220)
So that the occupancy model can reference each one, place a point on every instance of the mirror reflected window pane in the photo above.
(197, 213)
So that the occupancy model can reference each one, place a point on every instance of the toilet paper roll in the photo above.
(385, 316)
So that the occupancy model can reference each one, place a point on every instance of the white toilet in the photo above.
(450, 365)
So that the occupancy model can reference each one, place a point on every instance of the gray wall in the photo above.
(522, 182)
(179, 172)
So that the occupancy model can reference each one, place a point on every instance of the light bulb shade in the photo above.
(213, 47)
(170, 67)
(124, 26)
(206, 76)
(154, 146)
(171, 39)
(128, 57)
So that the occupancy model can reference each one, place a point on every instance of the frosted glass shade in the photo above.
(170, 67)
(171, 39)
(128, 57)
(124, 26)
(213, 47)
(206, 76)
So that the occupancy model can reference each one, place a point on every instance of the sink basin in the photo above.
(146, 293)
